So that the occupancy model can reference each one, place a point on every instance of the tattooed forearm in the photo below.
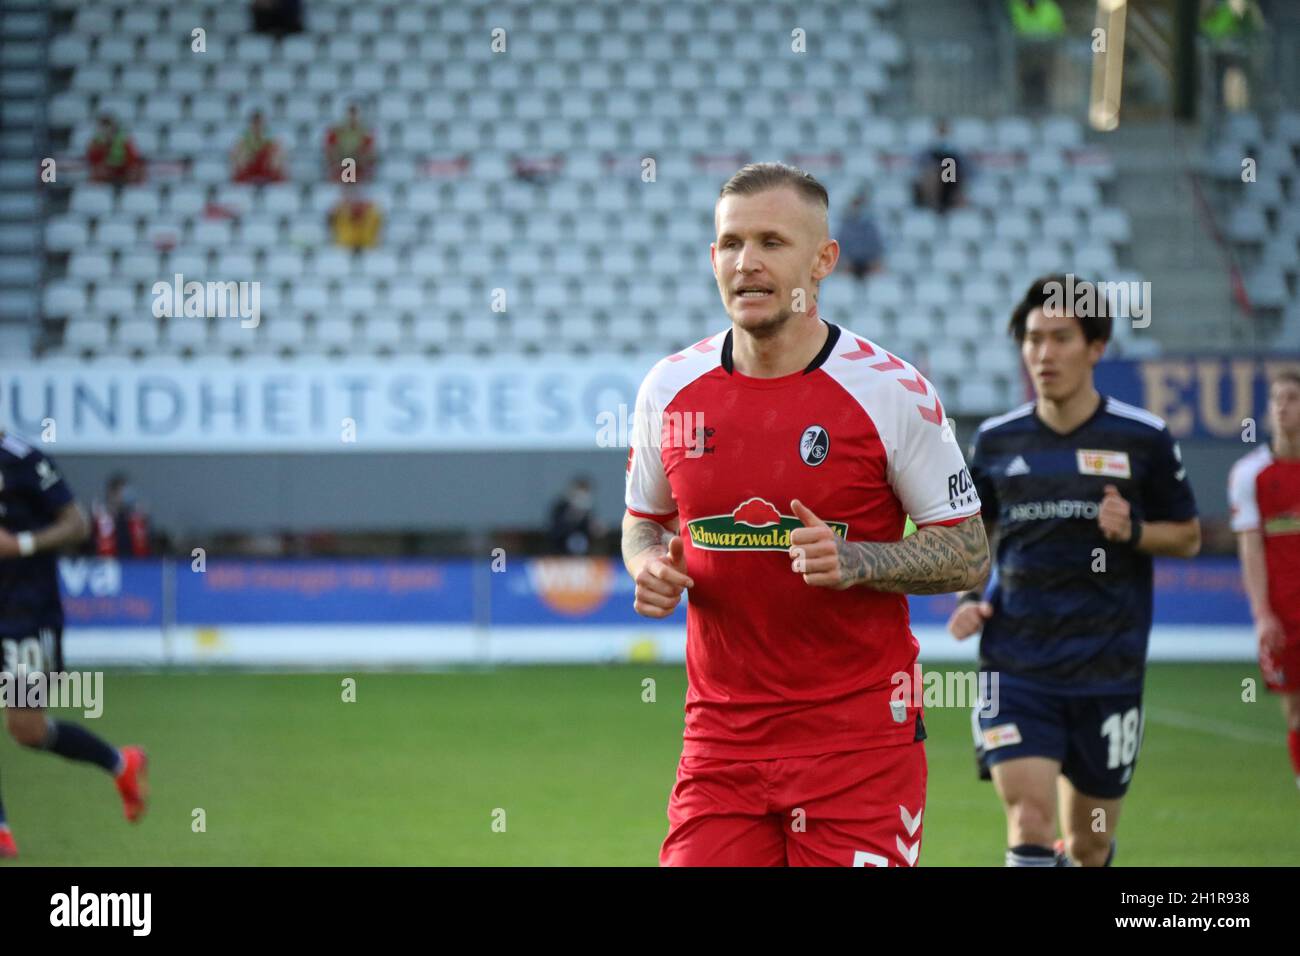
(935, 560)
(639, 534)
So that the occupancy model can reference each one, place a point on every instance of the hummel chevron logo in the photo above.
(701, 346)
(910, 821)
(862, 351)
(892, 364)
(910, 853)
(914, 384)
(932, 415)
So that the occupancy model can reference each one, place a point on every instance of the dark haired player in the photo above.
(1081, 490)
(38, 518)
(1264, 492)
(771, 472)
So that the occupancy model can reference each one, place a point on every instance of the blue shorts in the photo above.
(1095, 738)
(31, 651)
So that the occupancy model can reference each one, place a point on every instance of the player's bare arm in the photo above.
(70, 528)
(968, 618)
(1173, 539)
(936, 560)
(654, 555)
(1254, 573)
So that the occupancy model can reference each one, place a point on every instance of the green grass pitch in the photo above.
(287, 773)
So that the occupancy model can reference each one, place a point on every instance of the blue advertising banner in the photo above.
(560, 590)
(337, 591)
(1199, 397)
(540, 592)
(102, 592)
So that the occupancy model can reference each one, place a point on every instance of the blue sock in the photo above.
(76, 743)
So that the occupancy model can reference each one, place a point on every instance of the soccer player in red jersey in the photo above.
(1264, 492)
(772, 467)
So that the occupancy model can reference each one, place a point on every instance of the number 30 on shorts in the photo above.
(1123, 733)
(24, 654)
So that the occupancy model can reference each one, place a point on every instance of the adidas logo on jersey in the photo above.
(1018, 466)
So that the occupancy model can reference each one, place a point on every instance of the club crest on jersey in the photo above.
(1111, 464)
(755, 525)
(815, 445)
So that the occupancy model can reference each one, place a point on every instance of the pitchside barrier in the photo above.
(305, 614)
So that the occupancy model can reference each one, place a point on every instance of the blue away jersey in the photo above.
(1059, 622)
(32, 493)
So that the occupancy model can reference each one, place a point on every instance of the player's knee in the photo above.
(1088, 849)
(26, 730)
(1034, 821)
(1291, 710)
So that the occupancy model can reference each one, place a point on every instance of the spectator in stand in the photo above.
(1228, 26)
(939, 183)
(351, 139)
(276, 17)
(257, 158)
(859, 239)
(574, 527)
(121, 527)
(1039, 26)
(111, 156)
(355, 222)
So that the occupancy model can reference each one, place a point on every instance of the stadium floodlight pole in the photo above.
(1108, 66)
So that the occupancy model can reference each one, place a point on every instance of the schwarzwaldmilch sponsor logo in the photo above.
(755, 525)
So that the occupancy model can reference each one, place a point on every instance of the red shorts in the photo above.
(1282, 670)
(856, 808)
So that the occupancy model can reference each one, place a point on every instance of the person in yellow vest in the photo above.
(1228, 25)
(1038, 25)
(356, 222)
(1036, 19)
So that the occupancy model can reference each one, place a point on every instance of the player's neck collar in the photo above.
(1096, 413)
(832, 336)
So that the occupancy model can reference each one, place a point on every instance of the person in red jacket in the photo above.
(257, 158)
(111, 156)
(121, 530)
(351, 139)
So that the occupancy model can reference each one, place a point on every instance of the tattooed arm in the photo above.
(642, 534)
(654, 555)
(937, 559)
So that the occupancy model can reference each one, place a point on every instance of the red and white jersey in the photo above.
(777, 667)
(1264, 495)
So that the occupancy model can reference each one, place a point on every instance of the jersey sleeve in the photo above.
(47, 482)
(928, 473)
(1166, 492)
(648, 493)
(981, 474)
(1242, 503)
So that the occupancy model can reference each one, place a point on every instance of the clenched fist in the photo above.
(815, 551)
(1115, 518)
(660, 581)
(969, 618)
